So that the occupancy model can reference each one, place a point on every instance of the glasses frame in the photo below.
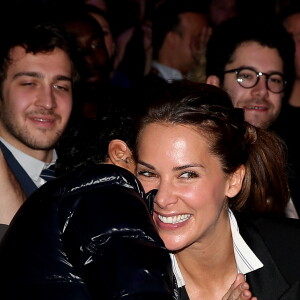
(258, 75)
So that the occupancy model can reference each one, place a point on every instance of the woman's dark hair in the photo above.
(232, 140)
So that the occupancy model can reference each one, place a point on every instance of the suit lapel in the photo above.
(266, 283)
(25, 181)
(292, 293)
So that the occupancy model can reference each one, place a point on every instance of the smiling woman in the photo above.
(212, 172)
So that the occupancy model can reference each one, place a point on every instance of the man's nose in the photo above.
(46, 98)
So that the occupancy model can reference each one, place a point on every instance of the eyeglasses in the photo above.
(248, 78)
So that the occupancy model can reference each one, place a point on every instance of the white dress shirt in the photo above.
(32, 166)
(167, 73)
(245, 258)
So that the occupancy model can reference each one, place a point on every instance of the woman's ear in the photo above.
(120, 155)
(213, 80)
(236, 182)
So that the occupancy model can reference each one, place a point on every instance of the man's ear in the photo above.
(172, 39)
(213, 80)
(236, 182)
(120, 155)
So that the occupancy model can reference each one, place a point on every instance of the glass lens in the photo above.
(276, 83)
(247, 78)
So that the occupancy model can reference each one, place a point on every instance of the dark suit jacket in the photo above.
(25, 181)
(277, 244)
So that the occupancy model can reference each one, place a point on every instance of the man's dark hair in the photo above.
(231, 34)
(36, 38)
(87, 142)
(166, 18)
(289, 11)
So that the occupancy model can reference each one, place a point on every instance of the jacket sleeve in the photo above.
(118, 252)
(86, 236)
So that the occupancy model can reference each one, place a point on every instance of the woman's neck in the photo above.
(209, 267)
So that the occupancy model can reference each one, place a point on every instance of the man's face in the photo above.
(292, 25)
(90, 38)
(222, 10)
(36, 100)
(261, 106)
(189, 44)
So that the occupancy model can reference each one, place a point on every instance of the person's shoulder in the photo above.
(265, 221)
(271, 228)
(89, 177)
(3, 229)
(152, 78)
(96, 174)
(277, 238)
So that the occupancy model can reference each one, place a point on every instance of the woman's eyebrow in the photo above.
(188, 166)
(145, 164)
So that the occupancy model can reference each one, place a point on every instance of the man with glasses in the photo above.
(253, 60)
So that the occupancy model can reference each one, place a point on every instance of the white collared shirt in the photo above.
(167, 73)
(290, 210)
(245, 258)
(32, 166)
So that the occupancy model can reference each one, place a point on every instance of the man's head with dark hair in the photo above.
(34, 39)
(176, 26)
(89, 141)
(290, 18)
(90, 39)
(37, 75)
(262, 45)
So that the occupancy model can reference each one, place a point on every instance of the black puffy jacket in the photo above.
(86, 235)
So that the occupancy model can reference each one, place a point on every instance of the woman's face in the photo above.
(192, 188)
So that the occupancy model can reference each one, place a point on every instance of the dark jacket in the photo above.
(23, 178)
(276, 242)
(86, 235)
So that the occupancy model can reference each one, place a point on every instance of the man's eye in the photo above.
(27, 83)
(96, 45)
(276, 80)
(245, 76)
(189, 175)
(61, 87)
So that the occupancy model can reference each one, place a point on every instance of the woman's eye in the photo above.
(188, 175)
(146, 174)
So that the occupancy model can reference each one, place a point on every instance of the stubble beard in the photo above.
(23, 135)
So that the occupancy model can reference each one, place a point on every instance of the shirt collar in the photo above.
(167, 73)
(32, 166)
(245, 258)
